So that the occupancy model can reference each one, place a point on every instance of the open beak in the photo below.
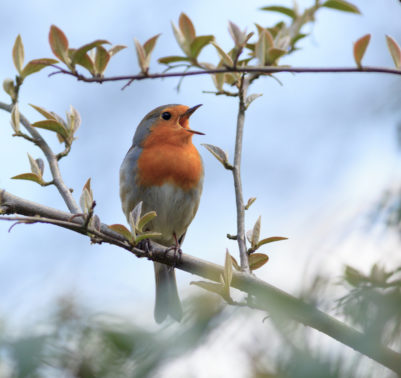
(188, 114)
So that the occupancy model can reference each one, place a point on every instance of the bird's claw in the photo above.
(146, 246)
(177, 254)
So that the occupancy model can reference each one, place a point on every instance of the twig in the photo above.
(258, 70)
(237, 176)
(52, 160)
(266, 297)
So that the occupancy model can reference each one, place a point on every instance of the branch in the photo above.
(258, 70)
(267, 297)
(52, 160)
(239, 200)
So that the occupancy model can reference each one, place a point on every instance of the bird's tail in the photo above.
(167, 299)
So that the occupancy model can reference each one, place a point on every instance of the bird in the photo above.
(164, 170)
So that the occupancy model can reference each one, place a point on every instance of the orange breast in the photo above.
(169, 157)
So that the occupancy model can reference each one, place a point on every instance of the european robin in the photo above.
(164, 170)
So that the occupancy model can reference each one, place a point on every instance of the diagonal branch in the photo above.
(52, 160)
(266, 297)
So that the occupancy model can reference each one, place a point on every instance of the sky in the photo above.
(319, 150)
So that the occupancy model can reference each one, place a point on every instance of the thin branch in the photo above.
(239, 199)
(266, 297)
(52, 160)
(258, 70)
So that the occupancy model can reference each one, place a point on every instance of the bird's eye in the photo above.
(166, 115)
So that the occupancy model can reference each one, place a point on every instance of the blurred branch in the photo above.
(258, 70)
(237, 176)
(51, 158)
(266, 297)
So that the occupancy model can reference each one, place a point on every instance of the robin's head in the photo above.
(170, 120)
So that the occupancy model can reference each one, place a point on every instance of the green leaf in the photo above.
(181, 40)
(250, 202)
(395, 50)
(210, 286)
(150, 44)
(252, 97)
(135, 215)
(122, 230)
(228, 270)
(15, 118)
(187, 28)
(9, 88)
(115, 49)
(36, 65)
(360, 47)
(81, 51)
(18, 54)
(256, 232)
(217, 152)
(273, 54)
(341, 5)
(257, 260)
(59, 44)
(86, 62)
(270, 240)
(52, 125)
(102, 58)
(353, 276)
(44, 112)
(284, 10)
(145, 219)
(141, 55)
(199, 43)
(235, 263)
(147, 235)
(30, 177)
(173, 59)
(224, 57)
(35, 169)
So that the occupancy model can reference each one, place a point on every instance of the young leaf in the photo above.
(284, 10)
(122, 230)
(341, 5)
(36, 65)
(59, 44)
(73, 120)
(270, 240)
(181, 40)
(41, 165)
(150, 44)
(80, 52)
(141, 55)
(252, 98)
(199, 43)
(239, 37)
(9, 88)
(273, 54)
(250, 202)
(102, 58)
(224, 57)
(173, 59)
(360, 47)
(256, 232)
(30, 177)
(52, 125)
(86, 198)
(217, 152)
(15, 118)
(235, 263)
(147, 235)
(115, 49)
(135, 215)
(35, 169)
(257, 260)
(395, 51)
(18, 54)
(145, 219)
(187, 28)
(44, 112)
(228, 270)
(209, 286)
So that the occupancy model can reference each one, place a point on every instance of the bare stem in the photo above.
(52, 160)
(239, 199)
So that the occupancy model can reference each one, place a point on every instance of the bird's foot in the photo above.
(146, 246)
(177, 254)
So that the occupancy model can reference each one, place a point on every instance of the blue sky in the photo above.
(318, 150)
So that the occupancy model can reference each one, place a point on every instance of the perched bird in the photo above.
(164, 170)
